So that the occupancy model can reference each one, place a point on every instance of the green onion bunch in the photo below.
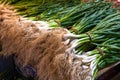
(106, 29)
(107, 54)
(95, 26)
(90, 20)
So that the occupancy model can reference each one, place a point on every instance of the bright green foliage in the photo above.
(106, 29)
(93, 17)
(106, 36)
(38, 8)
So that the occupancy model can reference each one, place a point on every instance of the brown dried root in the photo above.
(45, 49)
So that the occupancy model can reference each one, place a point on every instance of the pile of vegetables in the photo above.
(94, 25)
(105, 38)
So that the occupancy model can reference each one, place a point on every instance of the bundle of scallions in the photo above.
(103, 40)
(95, 26)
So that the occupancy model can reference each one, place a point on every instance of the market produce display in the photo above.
(94, 27)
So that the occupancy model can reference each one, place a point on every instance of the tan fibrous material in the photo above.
(34, 43)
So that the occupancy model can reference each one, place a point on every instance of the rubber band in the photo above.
(58, 23)
(101, 51)
(89, 35)
(73, 29)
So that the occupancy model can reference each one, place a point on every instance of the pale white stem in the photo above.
(93, 67)
(74, 45)
(67, 42)
(86, 56)
(79, 52)
(71, 36)
(87, 60)
(85, 67)
(74, 51)
(75, 41)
